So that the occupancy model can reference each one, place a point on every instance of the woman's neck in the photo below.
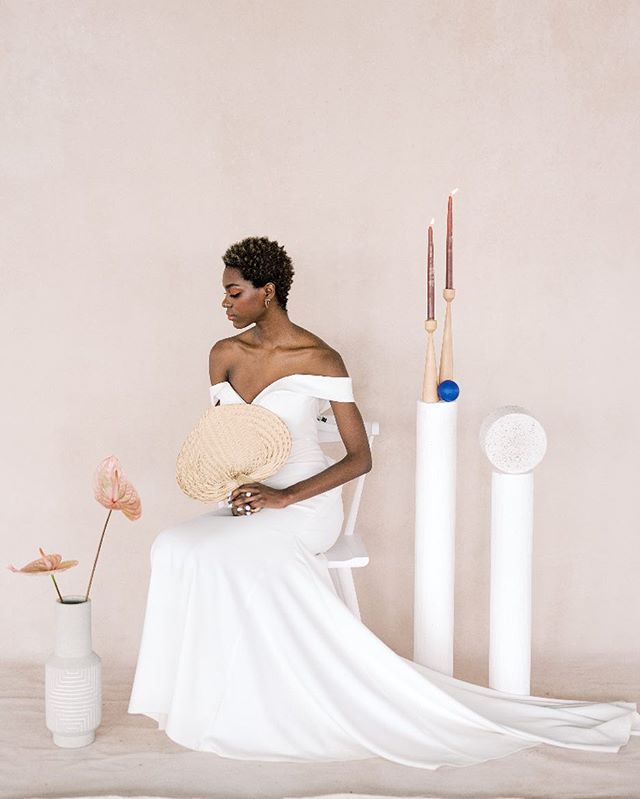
(274, 330)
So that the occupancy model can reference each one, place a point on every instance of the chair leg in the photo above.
(346, 589)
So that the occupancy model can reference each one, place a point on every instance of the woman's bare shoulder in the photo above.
(220, 356)
(311, 354)
(325, 360)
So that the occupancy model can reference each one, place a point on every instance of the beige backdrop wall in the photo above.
(141, 139)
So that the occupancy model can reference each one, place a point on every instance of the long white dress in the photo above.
(248, 652)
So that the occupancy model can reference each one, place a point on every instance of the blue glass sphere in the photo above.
(448, 390)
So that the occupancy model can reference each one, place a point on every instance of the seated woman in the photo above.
(246, 649)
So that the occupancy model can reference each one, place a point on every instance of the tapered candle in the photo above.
(449, 263)
(430, 274)
(446, 354)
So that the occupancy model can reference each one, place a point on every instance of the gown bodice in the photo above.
(298, 400)
(321, 388)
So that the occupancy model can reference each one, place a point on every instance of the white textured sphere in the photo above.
(513, 440)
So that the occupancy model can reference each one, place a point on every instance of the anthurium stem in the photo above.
(57, 589)
(97, 553)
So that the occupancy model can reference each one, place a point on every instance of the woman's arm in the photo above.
(357, 461)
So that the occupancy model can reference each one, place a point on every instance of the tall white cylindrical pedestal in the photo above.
(514, 441)
(510, 604)
(435, 517)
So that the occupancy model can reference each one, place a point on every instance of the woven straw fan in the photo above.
(230, 445)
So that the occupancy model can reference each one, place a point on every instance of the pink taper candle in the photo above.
(449, 276)
(430, 274)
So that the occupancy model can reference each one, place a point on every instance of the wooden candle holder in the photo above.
(446, 354)
(430, 382)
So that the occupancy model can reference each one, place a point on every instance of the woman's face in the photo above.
(242, 301)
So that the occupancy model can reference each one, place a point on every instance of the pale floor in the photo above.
(130, 756)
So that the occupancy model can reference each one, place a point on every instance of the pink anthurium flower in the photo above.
(113, 490)
(47, 564)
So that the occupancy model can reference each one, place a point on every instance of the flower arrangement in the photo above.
(114, 491)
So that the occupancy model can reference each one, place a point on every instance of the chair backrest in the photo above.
(328, 432)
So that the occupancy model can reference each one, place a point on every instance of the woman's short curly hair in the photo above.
(262, 261)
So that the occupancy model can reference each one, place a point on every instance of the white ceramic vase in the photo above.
(73, 677)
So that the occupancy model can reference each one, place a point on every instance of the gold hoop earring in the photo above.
(266, 303)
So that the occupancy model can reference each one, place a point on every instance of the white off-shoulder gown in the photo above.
(247, 651)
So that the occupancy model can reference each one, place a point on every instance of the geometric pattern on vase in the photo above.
(74, 697)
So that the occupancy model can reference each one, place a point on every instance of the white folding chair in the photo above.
(349, 551)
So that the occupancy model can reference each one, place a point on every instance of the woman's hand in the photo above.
(256, 496)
